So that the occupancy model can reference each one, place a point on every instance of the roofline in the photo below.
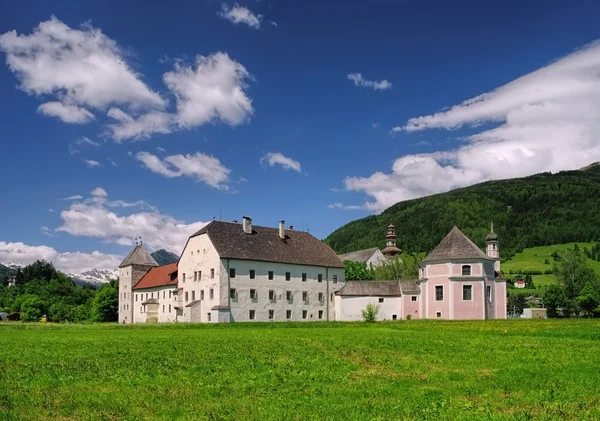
(285, 263)
(159, 286)
(459, 260)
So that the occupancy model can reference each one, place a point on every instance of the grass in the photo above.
(417, 370)
(533, 259)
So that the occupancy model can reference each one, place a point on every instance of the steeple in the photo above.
(493, 247)
(390, 249)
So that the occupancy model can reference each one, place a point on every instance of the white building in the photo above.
(371, 257)
(234, 272)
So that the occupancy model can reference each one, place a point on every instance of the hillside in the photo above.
(164, 257)
(6, 272)
(538, 210)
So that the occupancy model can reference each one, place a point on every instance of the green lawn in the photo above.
(410, 370)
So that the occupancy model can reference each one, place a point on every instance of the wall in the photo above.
(162, 294)
(350, 307)
(129, 276)
(468, 310)
(500, 307)
(436, 274)
(242, 304)
(411, 307)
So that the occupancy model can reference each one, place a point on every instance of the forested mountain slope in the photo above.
(538, 210)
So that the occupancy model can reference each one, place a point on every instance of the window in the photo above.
(320, 297)
(438, 314)
(183, 277)
(466, 270)
(320, 277)
(253, 295)
(381, 300)
(169, 293)
(164, 294)
(202, 294)
(288, 296)
(331, 297)
(439, 293)
(151, 295)
(146, 296)
(169, 308)
(252, 274)
(305, 296)
(252, 314)
(320, 314)
(288, 276)
(288, 314)
(199, 275)
(270, 275)
(141, 309)
(232, 293)
(394, 317)
(195, 275)
(271, 314)
(467, 292)
(488, 291)
(186, 296)
(136, 298)
(335, 279)
(208, 316)
(163, 308)
(272, 295)
(211, 294)
(212, 274)
(304, 314)
(232, 272)
(193, 295)
(413, 298)
(304, 277)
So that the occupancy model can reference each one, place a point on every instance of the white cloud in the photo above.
(273, 23)
(51, 210)
(91, 163)
(74, 197)
(70, 262)
(374, 84)
(113, 163)
(199, 166)
(240, 14)
(142, 127)
(345, 207)
(66, 112)
(99, 192)
(47, 231)
(93, 218)
(545, 121)
(79, 67)
(213, 90)
(84, 140)
(161, 150)
(276, 158)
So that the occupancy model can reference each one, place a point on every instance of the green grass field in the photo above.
(533, 259)
(411, 370)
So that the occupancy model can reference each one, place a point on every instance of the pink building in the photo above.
(457, 281)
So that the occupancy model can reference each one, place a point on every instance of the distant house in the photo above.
(372, 257)
(12, 281)
(14, 317)
(519, 283)
(3, 316)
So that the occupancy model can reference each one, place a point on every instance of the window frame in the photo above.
(231, 272)
(468, 288)
(288, 276)
(271, 275)
(272, 295)
(413, 298)
(304, 277)
(436, 293)
(320, 277)
(252, 274)
(271, 314)
(252, 315)
(381, 299)
(466, 268)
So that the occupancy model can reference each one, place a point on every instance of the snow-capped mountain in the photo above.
(14, 266)
(95, 276)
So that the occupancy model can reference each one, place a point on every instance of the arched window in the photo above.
(466, 270)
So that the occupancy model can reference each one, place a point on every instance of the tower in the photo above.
(131, 270)
(390, 249)
(493, 247)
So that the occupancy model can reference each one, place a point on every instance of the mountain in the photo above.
(164, 257)
(94, 277)
(538, 210)
(6, 271)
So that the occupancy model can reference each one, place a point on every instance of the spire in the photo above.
(492, 236)
(390, 241)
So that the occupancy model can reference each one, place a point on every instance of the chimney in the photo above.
(247, 224)
(235, 221)
(291, 228)
(282, 229)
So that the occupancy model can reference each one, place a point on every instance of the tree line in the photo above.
(40, 290)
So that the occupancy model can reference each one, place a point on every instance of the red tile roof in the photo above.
(158, 277)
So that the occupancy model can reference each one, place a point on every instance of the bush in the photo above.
(32, 309)
(408, 317)
(369, 314)
(546, 262)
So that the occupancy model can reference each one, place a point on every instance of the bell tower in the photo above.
(493, 247)
(390, 249)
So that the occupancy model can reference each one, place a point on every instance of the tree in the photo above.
(61, 312)
(358, 271)
(32, 309)
(105, 305)
(573, 273)
(402, 267)
(516, 303)
(554, 298)
(588, 300)
(369, 314)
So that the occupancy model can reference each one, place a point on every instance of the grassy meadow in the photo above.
(410, 370)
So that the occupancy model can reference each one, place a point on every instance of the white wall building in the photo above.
(371, 257)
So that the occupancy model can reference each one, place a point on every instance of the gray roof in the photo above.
(264, 244)
(410, 287)
(492, 236)
(221, 308)
(359, 256)
(139, 256)
(456, 245)
(371, 289)
(193, 303)
(150, 301)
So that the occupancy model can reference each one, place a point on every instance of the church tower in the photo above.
(493, 247)
(131, 270)
(390, 249)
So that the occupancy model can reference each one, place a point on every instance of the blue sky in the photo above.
(314, 112)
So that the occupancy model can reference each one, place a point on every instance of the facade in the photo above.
(457, 281)
(371, 257)
(234, 272)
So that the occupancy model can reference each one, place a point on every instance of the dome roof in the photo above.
(492, 236)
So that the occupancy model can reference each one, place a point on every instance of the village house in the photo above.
(373, 256)
(457, 281)
(234, 272)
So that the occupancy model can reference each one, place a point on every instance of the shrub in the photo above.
(408, 317)
(369, 314)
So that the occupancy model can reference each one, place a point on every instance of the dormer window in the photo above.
(466, 270)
